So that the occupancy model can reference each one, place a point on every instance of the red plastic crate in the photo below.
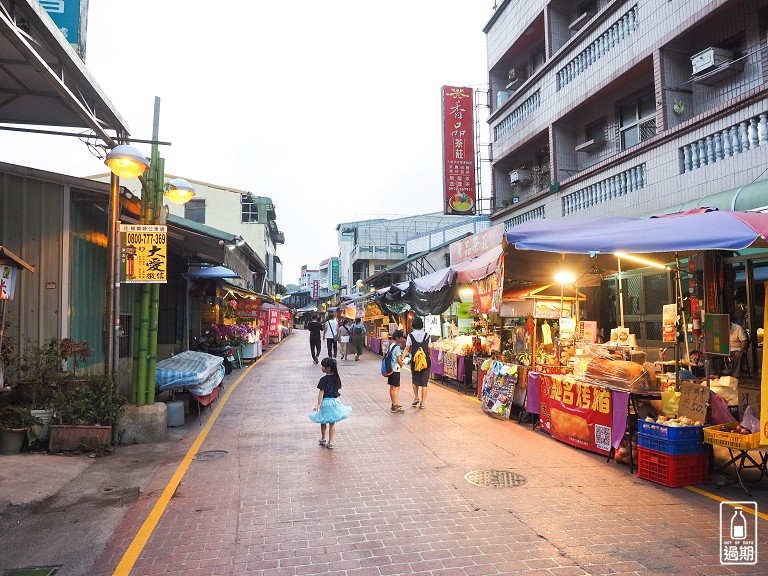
(671, 470)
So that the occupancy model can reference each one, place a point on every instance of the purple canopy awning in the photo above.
(712, 230)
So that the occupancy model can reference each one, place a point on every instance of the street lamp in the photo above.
(178, 191)
(126, 161)
(564, 278)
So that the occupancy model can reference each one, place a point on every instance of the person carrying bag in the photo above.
(331, 335)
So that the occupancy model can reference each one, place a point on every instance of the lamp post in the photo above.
(127, 162)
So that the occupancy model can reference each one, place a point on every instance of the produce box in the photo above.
(713, 435)
(671, 433)
(672, 447)
(672, 471)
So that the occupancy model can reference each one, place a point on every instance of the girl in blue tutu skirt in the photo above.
(329, 408)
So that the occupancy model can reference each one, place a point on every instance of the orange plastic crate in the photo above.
(713, 435)
(671, 470)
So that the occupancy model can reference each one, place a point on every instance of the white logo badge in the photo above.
(738, 533)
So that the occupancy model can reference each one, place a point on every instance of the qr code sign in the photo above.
(603, 437)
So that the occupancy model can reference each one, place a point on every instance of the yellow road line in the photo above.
(142, 536)
(721, 499)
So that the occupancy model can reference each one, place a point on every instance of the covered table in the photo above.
(447, 364)
(196, 372)
(375, 344)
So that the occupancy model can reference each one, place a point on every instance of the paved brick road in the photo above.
(392, 498)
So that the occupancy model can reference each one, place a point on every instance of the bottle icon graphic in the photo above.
(738, 525)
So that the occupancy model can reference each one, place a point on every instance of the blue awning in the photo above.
(211, 272)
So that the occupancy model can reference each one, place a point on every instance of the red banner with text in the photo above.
(576, 413)
(458, 151)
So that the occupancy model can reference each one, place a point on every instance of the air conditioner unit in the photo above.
(516, 77)
(710, 59)
(520, 176)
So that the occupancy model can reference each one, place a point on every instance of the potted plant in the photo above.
(84, 414)
(15, 421)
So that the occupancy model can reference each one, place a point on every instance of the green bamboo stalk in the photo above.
(154, 307)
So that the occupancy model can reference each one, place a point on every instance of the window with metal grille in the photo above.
(249, 210)
(637, 120)
(195, 210)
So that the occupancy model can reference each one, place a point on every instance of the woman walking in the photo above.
(329, 408)
(358, 336)
(344, 335)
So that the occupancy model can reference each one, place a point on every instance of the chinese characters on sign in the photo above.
(335, 274)
(717, 330)
(248, 309)
(143, 256)
(476, 244)
(315, 290)
(738, 533)
(576, 413)
(7, 282)
(458, 151)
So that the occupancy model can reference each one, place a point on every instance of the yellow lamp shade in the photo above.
(126, 161)
(179, 191)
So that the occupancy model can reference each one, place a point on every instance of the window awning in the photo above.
(747, 197)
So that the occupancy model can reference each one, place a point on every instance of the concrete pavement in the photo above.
(392, 498)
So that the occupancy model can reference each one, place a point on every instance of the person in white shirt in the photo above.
(395, 352)
(738, 346)
(330, 333)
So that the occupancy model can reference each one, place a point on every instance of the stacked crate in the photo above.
(670, 455)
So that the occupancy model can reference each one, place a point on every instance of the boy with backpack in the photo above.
(418, 341)
(390, 366)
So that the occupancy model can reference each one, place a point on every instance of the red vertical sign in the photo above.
(458, 151)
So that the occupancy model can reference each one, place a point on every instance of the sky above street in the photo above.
(332, 109)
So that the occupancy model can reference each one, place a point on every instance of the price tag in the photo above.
(693, 401)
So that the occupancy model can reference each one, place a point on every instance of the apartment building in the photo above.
(632, 108)
(367, 247)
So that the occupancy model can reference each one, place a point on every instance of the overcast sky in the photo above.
(332, 109)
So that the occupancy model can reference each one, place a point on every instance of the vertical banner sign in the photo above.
(143, 257)
(7, 283)
(274, 323)
(717, 334)
(264, 326)
(335, 274)
(315, 289)
(458, 151)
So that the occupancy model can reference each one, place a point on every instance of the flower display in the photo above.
(233, 334)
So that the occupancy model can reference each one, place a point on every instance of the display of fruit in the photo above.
(677, 422)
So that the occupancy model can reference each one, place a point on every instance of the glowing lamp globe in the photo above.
(126, 161)
(178, 191)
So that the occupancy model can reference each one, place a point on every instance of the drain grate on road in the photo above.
(210, 455)
(495, 478)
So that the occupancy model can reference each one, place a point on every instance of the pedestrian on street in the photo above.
(358, 337)
(329, 408)
(345, 336)
(315, 328)
(396, 356)
(418, 339)
(331, 334)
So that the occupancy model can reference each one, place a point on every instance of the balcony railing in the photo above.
(724, 144)
(620, 184)
(517, 115)
(372, 252)
(609, 39)
(537, 213)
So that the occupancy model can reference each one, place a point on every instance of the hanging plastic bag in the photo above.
(670, 402)
(750, 421)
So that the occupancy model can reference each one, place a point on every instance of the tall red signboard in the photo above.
(458, 151)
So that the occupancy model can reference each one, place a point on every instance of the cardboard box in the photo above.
(749, 396)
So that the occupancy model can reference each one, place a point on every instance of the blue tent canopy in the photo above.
(211, 272)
